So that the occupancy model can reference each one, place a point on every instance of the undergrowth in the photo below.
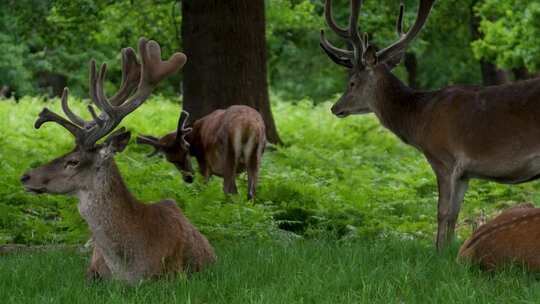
(350, 178)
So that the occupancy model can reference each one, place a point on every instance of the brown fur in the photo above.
(511, 237)
(224, 143)
(132, 240)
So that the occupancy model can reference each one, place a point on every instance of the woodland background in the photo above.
(45, 43)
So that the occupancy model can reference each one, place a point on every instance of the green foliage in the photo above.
(319, 271)
(62, 36)
(346, 177)
(511, 33)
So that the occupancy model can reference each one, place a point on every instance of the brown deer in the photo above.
(224, 143)
(511, 237)
(464, 132)
(132, 240)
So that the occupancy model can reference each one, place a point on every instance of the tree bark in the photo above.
(225, 43)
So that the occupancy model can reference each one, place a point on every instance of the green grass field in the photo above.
(389, 271)
(369, 197)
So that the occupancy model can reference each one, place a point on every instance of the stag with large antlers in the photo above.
(464, 131)
(224, 143)
(132, 240)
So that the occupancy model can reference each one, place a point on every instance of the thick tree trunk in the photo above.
(226, 49)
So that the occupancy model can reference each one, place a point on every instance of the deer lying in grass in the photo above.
(511, 237)
(224, 143)
(132, 240)
(464, 132)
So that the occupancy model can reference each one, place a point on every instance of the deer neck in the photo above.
(106, 204)
(399, 108)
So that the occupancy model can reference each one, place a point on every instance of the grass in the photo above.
(313, 271)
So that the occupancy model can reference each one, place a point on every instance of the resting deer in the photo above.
(464, 132)
(511, 237)
(224, 143)
(132, 240)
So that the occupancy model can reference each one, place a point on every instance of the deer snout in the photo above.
(336, 110)
(24, 178)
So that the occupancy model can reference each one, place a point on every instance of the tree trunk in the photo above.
(491, 75)
(226, 48)
(411, 65)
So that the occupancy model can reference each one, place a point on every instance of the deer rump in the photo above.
(511, 237)
(236, 135)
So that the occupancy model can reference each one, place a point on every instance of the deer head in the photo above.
(174, 147)
(89, 162)
(367, 65)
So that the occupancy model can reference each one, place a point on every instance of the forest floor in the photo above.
(314, 271)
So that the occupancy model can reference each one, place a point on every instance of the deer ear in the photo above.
(370, 56)
(118, 141)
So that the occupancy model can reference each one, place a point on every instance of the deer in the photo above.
(225, 143)
(511, 237)
(132, 240)
(464, 132)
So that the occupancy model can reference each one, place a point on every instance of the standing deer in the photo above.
(464, 132)
(511, 237)
(132, 240)
(224, 143)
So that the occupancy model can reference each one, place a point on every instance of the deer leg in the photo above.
(229, 173)
(98, 269)
(452, 189)
(253, 165)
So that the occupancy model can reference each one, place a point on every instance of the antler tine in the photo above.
(327, 46)
(342, 32)
(181, 130)
(339, 56)
(131, 75)
(399, 46)
(151, 141)
(101, 100)
(48, 116)
(72, 116)
(357, 42)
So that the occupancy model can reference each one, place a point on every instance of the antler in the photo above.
(360, 44)
(151, 141)
(340, 56)
(404, 39)
(181, 130)
(150, 73)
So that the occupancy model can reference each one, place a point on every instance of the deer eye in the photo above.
(352, 84)
(72, 163)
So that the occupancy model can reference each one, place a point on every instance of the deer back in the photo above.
(513, 236)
